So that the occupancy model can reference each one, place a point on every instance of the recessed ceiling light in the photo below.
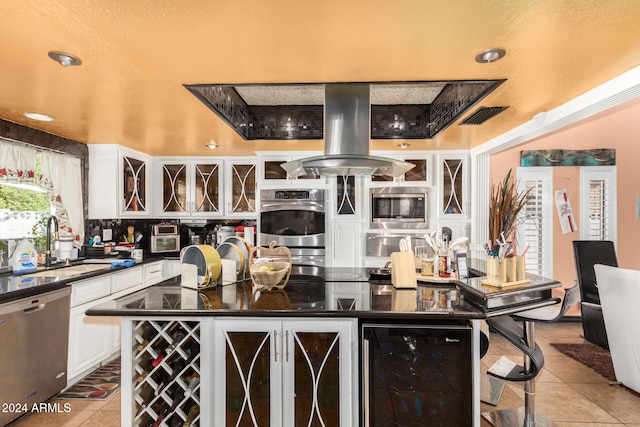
(403, 145)
(38, 116)
(212, 145)
(65, 59)
(490, 55)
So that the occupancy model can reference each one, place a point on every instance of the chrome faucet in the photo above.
(47, 231)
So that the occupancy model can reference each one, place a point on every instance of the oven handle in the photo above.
(282, 205)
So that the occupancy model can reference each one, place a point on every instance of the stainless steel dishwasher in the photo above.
(34, 336)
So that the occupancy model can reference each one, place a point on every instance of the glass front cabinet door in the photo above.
(241, 189)
(134, 186)
(284, 373)
(190, 188)
(454, 198)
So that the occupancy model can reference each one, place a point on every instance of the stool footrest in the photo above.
(516, 374)
(513, 332)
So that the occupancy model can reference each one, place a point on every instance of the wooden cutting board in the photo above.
(403, 270)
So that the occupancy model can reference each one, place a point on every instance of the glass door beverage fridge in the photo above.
(417, 375)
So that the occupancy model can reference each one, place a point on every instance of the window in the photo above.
(22, 207)
(598, 203)
(535, 227)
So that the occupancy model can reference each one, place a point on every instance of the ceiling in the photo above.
(137, 55)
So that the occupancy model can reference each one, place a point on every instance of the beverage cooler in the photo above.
(417, 375)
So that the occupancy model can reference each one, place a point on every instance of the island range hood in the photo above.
(347, 127)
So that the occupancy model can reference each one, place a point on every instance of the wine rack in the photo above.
(166, 373)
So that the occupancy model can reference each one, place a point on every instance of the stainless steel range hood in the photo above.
(346, 138)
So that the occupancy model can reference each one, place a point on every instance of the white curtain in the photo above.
(61, 176)
(17, 163)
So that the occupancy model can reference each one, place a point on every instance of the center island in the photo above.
(336, 349)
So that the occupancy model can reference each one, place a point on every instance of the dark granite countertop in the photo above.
(18, 286)
(339, 293)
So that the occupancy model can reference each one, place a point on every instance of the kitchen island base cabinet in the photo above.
(166, 372)
(418, 374)
(285, 372)
(257, 372)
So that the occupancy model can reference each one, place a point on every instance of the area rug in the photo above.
(592, 356)
(98, 385)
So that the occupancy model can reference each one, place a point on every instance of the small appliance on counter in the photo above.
(225, 231)
(165, 238)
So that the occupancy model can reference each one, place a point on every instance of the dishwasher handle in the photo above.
(35, 308)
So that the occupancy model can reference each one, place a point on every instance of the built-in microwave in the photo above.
(399, 207)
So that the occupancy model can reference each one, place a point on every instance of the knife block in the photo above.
(403, 270)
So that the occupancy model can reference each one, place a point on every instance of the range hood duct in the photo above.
(347, 124)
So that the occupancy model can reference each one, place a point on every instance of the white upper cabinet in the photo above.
(270, 172)
(420, 175)
(126, 196)
(454, 200)
(188, 187)
(240, 187)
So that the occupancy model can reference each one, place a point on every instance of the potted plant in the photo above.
(505, 202)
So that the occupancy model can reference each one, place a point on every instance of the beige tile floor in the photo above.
(567, 392)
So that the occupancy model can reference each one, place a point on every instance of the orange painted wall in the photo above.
(617, 128)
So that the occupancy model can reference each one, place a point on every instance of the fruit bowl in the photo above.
(269, 274)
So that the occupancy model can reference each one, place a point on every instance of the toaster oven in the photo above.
(165, 238)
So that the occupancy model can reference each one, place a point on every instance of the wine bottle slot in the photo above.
(144, 396)
(177, 367)
(142, 345)
(193, 381)
(193, 351)
(177, 395)
(194, 411)
(161, 381)
(176, 337)
(157, 360)
(162, 413)
(142, 376)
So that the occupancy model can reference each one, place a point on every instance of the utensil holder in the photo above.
(496, 270)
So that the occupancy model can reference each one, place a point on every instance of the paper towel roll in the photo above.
(229, 271)
(250, 235)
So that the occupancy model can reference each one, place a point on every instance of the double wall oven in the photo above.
(295, 218)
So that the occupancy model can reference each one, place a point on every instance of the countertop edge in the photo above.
(57, 284)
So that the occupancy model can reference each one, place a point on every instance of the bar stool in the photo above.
(519, 330)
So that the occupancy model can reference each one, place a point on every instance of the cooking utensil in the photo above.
(404, 245)
(383, 273)
(459, 244)
(244, 247)
(228, 250)
(206, 259)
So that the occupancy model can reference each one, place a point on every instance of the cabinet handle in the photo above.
(365, 380)
(286, 345)
(275, 341)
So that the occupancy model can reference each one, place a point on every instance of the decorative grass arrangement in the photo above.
(504, 205)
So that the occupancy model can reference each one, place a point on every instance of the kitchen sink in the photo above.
(70, 271)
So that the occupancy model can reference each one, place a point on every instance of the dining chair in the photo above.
(587, 253)
(619, 293)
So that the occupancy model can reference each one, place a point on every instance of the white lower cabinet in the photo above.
(91, 340)
(289, 372)
(153, 273)
(170, 268)
(347, 240)
(94, 339)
